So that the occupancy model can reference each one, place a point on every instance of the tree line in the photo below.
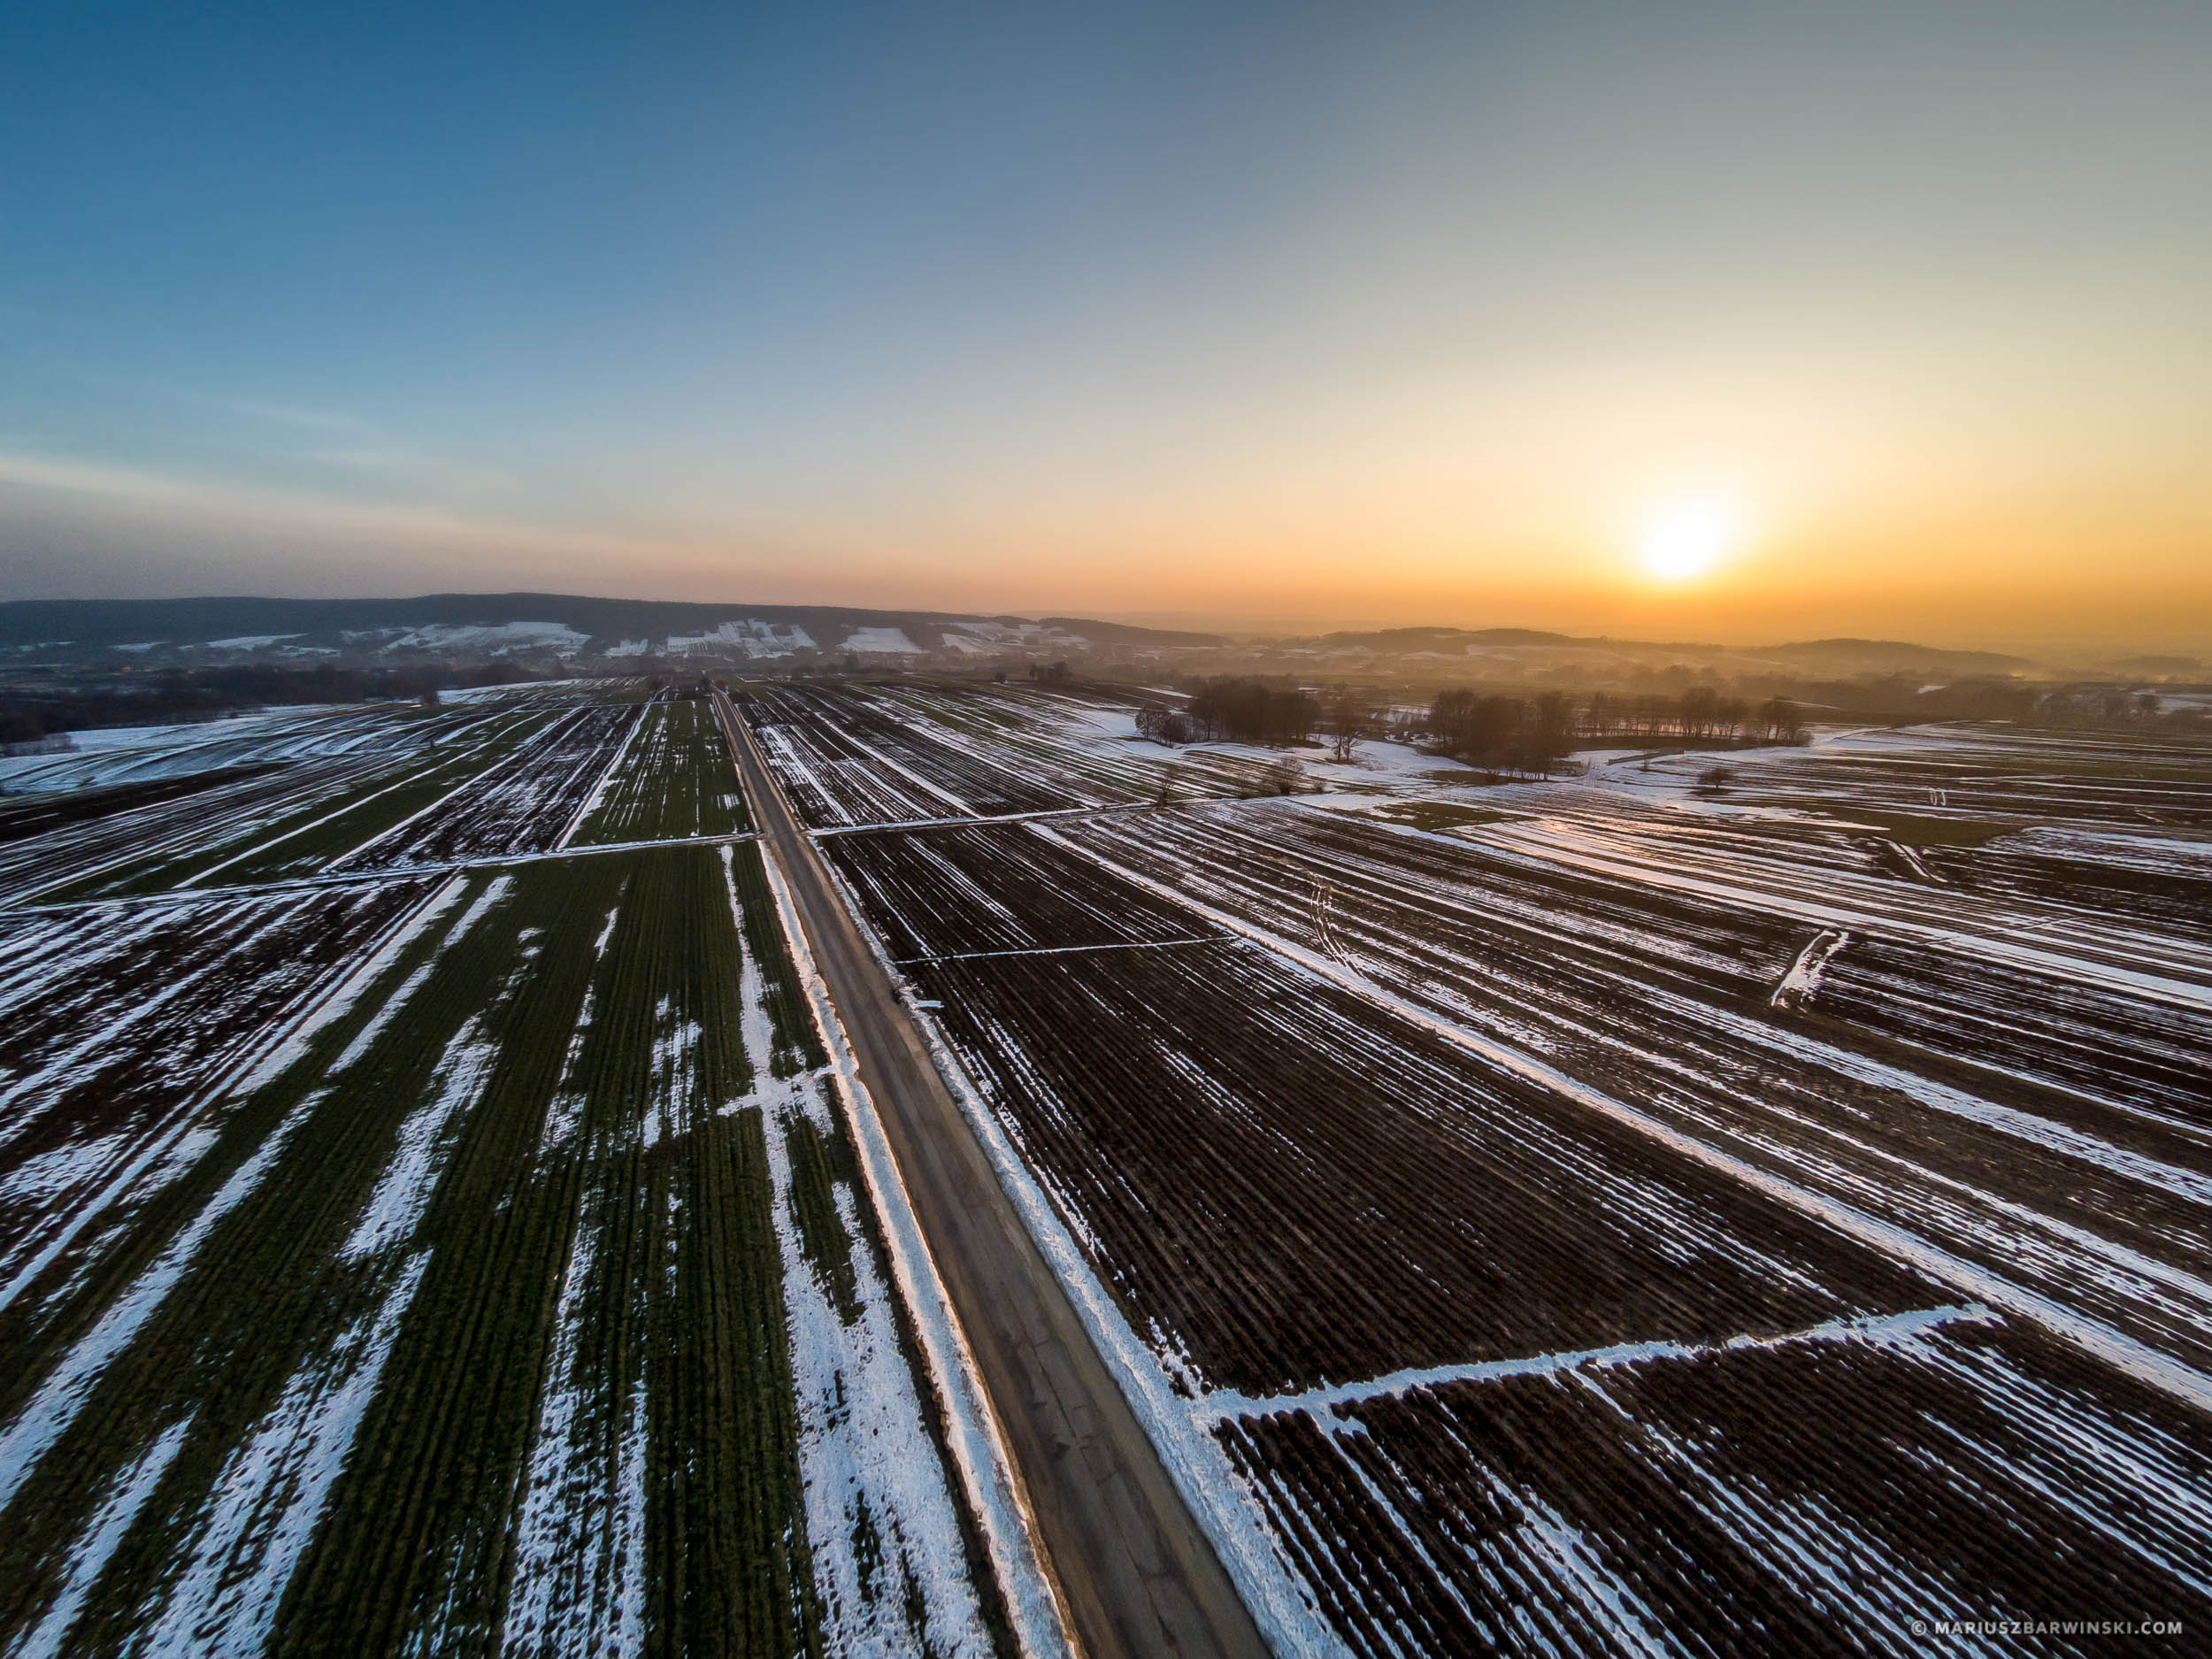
(1496, 730)
(1234, 709)
(1510, 734)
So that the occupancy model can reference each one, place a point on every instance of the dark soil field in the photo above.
(1586, 1222)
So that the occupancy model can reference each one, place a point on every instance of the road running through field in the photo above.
(1135, 1574)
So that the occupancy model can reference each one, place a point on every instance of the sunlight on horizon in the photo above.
(1689, 537)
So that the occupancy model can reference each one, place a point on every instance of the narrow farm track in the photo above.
(1135, 1573)
(371, 877)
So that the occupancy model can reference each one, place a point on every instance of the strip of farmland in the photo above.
(503, 1283)
(523, 802)
(849, 755)
(674, 780)
(286, 822)
(2111, 828)
(2089, 1180)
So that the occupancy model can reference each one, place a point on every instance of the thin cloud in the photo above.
(129, 485)
(428, 469)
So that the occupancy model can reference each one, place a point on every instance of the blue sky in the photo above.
(1379, 310)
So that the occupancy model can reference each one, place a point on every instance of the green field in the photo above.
(528, 1299)
(676, 779)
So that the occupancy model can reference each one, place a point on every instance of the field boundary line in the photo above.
(363, 878)
(996, 1493)
(2137, 1359)
(1063, 950)
(1876, 1327)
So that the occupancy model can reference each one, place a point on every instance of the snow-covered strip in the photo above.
(1798, 985)
(1217, 1497)
(1063, 950)
(2011, 939)
(132, 1488)
(397, 833)
(200, 877)
(399, 999)
(404, 1191)
(783, 753)
(123, 754)
(863, 1449)
(1889, 1327)
(272, 1493)
(993, 1489)
(578, 1587)
(2137, 1359)
(911, 775)
(972, 819)
(142, 1010)
(348, 990)
(565, 1111)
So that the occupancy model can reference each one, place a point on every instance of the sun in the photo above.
(1685, 538)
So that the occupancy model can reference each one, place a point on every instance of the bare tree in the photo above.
(1779, 721)
(1347, 719)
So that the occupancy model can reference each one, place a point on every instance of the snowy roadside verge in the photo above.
(994, 1494)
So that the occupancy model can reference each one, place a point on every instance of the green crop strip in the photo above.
(578, 1169)
(819, 1163)
(675, 780)
(797, 1047)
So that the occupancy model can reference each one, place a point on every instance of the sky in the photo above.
(1730, 322)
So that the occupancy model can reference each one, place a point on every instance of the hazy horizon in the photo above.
(1282, 317)
(2055, 646)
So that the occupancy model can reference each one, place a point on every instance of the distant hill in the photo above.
(1452, 640)
(565, 627)
(1864, 657)
(562, 633)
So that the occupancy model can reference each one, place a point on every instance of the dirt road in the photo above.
(1136, 1575)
